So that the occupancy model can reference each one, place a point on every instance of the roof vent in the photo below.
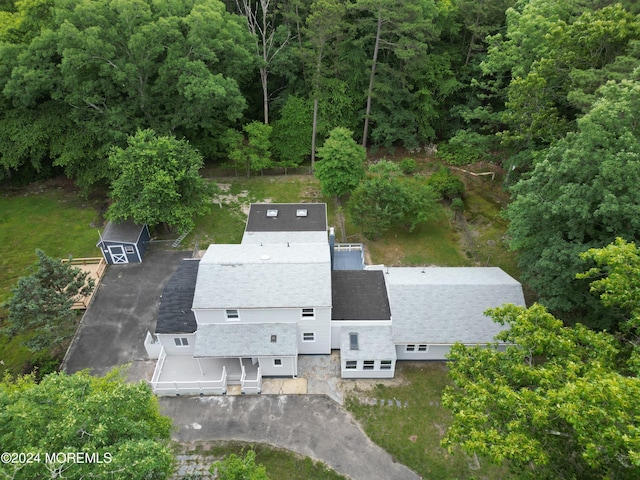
(301, 212)
(272, 213)
(274, 338)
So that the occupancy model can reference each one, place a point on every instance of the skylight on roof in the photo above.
(272, 212)
(301, 212)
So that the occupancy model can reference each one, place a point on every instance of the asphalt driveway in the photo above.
(312, 425)
(125, 306)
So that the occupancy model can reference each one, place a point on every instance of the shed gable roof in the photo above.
(125, 232)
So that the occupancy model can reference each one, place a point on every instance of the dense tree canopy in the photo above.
(41, 304)
(552, 405)
(157, 181)
(96, 71)
(581, 194)
(95, 427)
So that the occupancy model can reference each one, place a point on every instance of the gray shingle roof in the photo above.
(287, 220)
(373, 343)
(269, 276)
(246, 340)
(359, 295)
(446, 305)
(126, 232)
(174, 313)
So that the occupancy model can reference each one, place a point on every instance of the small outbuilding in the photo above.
(124, 242)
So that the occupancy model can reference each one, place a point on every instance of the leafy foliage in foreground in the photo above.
(41, 303)
(95, 417)
(234, 467)
(553, 405)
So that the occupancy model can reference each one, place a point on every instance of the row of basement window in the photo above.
(368, 365)
(233, 314)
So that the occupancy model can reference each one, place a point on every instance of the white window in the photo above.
(181, 342)
(277, 362)
(308, 313)
(232, 315)
(423, 348)
(308, 337)
(411, 348)
(368, 364)
(385, 364)
(129, 249)
(351, 364)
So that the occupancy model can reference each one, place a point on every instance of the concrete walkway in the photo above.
(311, 425)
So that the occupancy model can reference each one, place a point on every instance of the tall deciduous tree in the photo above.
(90, 427)
(551, 406)
(582, 194)
(324, 25)
(40, 307)
(157, 180)
(342, 163)
(269, 39)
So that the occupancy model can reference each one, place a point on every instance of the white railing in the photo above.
(251, 386)
(193, 387)
(348, 247)
(158, 370)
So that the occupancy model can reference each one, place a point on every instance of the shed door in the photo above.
(118, 254)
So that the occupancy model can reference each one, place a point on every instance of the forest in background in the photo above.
(547, 89)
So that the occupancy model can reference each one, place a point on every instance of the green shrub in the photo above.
(457, 205)
(466, 147)
(408, 166)
(446, 184)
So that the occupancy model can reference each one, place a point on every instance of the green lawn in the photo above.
(280, 464)
(226, 222)
(57, 222)
(412, 432)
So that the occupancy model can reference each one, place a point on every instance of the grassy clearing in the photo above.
(226, 222)
(431, 243)
(53, 220)
(412, 433)
(280, 464)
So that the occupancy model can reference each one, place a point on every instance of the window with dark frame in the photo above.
(308, 313)
(181, 342)
(368, 364)
(353, 341)
(308, 337)
(423, 348)
(351, 364)
(385, 364)
(411, 348)
(232, 314)
(277, 362)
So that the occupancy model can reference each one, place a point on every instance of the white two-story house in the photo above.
(248, 310)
